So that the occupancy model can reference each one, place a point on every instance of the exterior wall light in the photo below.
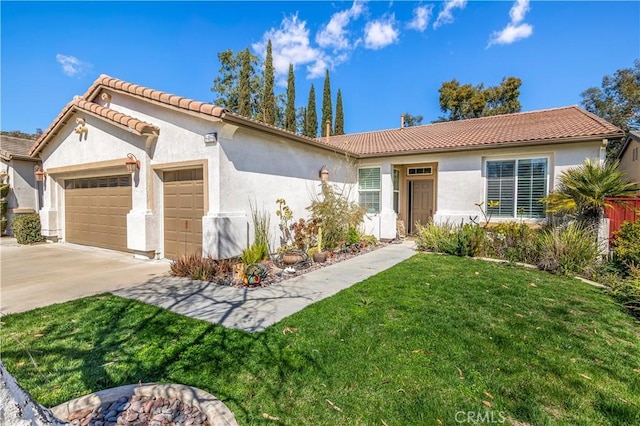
(211, 137)
(81, 127)
(39, 173)
(132, 163)
(324, 174)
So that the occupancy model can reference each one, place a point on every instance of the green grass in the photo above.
(413, 345)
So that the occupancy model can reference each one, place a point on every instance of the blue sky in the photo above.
(386, 57)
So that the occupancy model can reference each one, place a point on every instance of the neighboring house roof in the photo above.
(633, 135)
(104, 82)
(12, 147)
(564, 124)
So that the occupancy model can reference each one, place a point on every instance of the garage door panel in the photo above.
(183, 211)
(96, 211)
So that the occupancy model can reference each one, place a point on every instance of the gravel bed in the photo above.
(140, 411)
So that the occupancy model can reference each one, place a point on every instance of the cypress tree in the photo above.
(301, 121)
(339, 126)
(244, 85)
(327, 109)
(290, 112)
(268, 98)
(312, 115)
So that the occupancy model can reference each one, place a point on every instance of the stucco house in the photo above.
(629, 156)
(197, 167)
(16, 168)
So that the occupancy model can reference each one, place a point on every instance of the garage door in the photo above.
(96, 211)
(183, 211)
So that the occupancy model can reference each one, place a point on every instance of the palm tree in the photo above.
(584, 191)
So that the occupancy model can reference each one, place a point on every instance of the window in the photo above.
(419, 171)
(396, 190)
(369, 189)
(634, 153)
(517, 186)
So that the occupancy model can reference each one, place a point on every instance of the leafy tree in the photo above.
(583, 191)
(327, 109)
(618, 101)
(226, 84)
(290, 112)
(23, 135)
(460, 102)
(412, 120)
(339, 124)
(311, 128)
(268, 98)
(244, 85)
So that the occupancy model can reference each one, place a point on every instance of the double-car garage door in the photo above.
(96, 211)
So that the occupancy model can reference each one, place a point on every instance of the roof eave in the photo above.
(495, 145)
(627, 141)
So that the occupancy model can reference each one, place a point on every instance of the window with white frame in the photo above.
(514, 187)
(369, 188)
(396, 190)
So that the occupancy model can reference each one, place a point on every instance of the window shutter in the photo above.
(501, 186)
(532, 186)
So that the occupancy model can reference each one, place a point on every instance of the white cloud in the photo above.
(290, 45)
(421, 17)
(511, 33)
(334, 34)
(518, 10)
(515, 30)
(446, 16)
(71, 65)
(380, 33)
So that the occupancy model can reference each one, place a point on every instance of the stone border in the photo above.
(216, 411)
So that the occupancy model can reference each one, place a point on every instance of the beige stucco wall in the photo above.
(244, 167)
(631, 167)
(23, 195)
(460, 180)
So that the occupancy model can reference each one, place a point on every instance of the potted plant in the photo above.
(319, 256)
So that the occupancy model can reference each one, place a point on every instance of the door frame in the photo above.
(405, 202)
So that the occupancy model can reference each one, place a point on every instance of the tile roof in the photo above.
(154, 95)
(11, 146)
(131, 123)
(550, 125)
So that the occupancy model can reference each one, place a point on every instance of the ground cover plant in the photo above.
(426, 342)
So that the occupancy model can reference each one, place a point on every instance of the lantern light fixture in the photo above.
(39, 173)
(132, 163)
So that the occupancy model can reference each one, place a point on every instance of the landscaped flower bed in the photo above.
(222, 271)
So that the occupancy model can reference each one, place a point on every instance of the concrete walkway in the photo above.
(256, 309)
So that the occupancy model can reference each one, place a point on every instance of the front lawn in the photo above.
(433, 340)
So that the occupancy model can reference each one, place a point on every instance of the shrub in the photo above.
(336, 213)
(26, 229)
(626, 246)
(568, 250)
(369, 240)
(4, 190)
(627, 292)
(435, 237)
(3, 225)
(305, 233)
(513, 241)
(352, 236)
(196, 267)
(254, 253)
(3, 208)
(460, 240)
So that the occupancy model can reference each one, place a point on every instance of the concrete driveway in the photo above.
(44, 274)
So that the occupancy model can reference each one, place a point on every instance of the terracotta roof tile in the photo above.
(133, 123)
(545, 125)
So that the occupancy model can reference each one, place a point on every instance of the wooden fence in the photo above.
(623, 209)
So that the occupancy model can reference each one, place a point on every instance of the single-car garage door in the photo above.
(96, 211)
(183, 211)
